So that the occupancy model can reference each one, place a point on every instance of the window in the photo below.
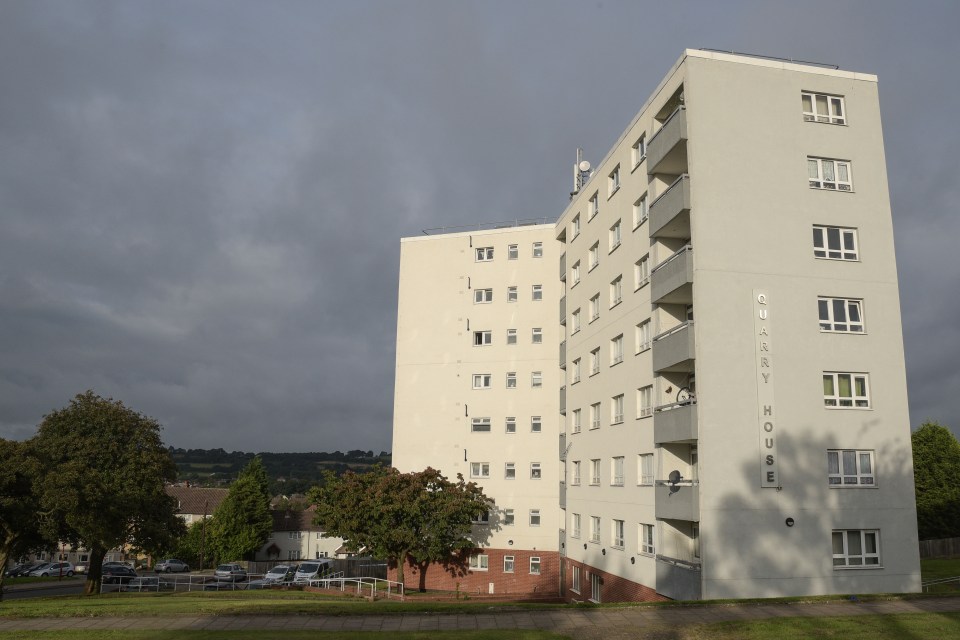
(534, 517)
(616, 350)
(511, 380)
(575, 579)
(846, 390)
(508, 517)
(536, 379)
(595, 587)
(575, 471)
(484, 254)
(508, 564)
(850, 468)
(594, 307)
(480, 425)
(511, 425)
(616, 291)
(575, 227)
(646, 539)
(595, 471)
(482, 380)
(575, 525)
(295, 535)
(482, 338)
(644, 401)
(511, 294)
(640, 211)
(595, 415)
(536, 424)
(479, 469)
(511, 336)
(481, 518)
(537, 249)
(537, 335)
(616, 409)
(616, 538)
(641, 272)
(575, 321)
(856, 548)
(575, 371)
(643, 336)
(829, 174)
(293, 555)
(510, 471)
(538, 292)
(835, 243)
(513, 251)
(575, 273)
(616, 475)
(613, 181)
(639, 151)
(595, 529)
(645, 468)
(576, 421)
(819, 107)
(482, 296)
(840, 314)
(594, 256)
(535, 565)
(615, 236)
(479, 562)
(594, 207)
(595, 361)
(535, 471)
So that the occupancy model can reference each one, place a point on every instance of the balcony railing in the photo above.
(671, 281)
(675, 349)
(678, 500)
(670, 212)
(665, 154)
(675, 422)
(563, 401)
(563, 266)
(563, 310)
(678, 579)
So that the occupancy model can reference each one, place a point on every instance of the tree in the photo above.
(936, 470)
(103, 485)
(19, 526)
(242, 523)
(421, 517)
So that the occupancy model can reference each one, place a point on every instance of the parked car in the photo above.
(277, 575)
(171, 564)
(230, 573)
(21, 569)
(313, 570)
(54, 569)
(118, 574)
(147, 583)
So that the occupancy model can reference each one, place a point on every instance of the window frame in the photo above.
(535, 517)
(575, 473)
(641, 272)
(575, 227)
(536, 424)
(483, 338)
(641, 211)
(842, 253)
(847, 557)
(536, 471)
(594, 256)
(537, 293)
(576, 424)
(575, 371)
(617, 533)
(479, 562)
(511, 336)
(646, 542)
(536, 379)
(613, 182)
(509, 518)
(595, 529)
(644, 339)
(477, 424)
(508, 422)
(831, 325)
(645, 470)
(616, 409)
(616, 350)
(537, 249)
(509, 470)
(645, 401)
(812, 115)
(593, 206)
(508, 564)
(477, 470)
(821, 182)
(616, 291)
(638, 151)
(536, 335)
(595, 472)
(575, 274)
(835, 400)
(575, 323)
(615, 236)
(483, 254)
(511, 380)
(595, 308)
(594, 416)
(482, 296)
(534, 565)
(616, 471)
(594, 361)
(856, 478)
(482, 381)
(513, 252)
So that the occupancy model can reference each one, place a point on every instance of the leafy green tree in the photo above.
(419, 517)
(936, 474)
(242, 523)
(19, 527)
(188, 547)
(105, 468)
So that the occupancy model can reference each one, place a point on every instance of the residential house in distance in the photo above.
(195, 503)
(728, 353)
(295, 537)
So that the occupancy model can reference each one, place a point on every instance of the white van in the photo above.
(312, 570)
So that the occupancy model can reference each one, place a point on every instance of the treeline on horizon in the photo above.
(289, 473)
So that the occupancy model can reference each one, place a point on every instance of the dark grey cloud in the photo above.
(202, 202)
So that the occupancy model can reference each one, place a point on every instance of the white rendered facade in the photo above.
(733, 386)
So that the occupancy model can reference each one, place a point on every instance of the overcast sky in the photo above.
(201, 203)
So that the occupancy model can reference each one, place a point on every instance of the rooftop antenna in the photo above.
(581, 173)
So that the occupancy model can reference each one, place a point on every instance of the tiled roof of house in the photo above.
(196, 500)
(294, 520)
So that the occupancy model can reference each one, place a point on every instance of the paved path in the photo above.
(587, 624)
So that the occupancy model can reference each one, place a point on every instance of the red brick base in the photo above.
(519, 582)
(613, 588)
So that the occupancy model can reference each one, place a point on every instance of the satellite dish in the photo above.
(584, 166)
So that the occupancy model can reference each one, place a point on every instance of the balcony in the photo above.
(677, 579)
(563, 401)
(563, 446)
(563, 310)
(670, 212)
(563, 494)
(674, 350)
(675, 423)
(671, 281)
(563, 354)
(667, 149)
(563, 266)
(678, 500)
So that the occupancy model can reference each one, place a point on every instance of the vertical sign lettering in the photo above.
(766, 413)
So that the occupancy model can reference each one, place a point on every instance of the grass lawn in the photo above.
(937, 568)
(519, 634)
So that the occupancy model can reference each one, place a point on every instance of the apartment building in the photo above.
(476, 391)
(732, 392)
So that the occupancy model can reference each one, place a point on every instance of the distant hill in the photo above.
(289, 473)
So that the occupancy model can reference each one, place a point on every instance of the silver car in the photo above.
(54, 569)
(171, 564)
(230, 573)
